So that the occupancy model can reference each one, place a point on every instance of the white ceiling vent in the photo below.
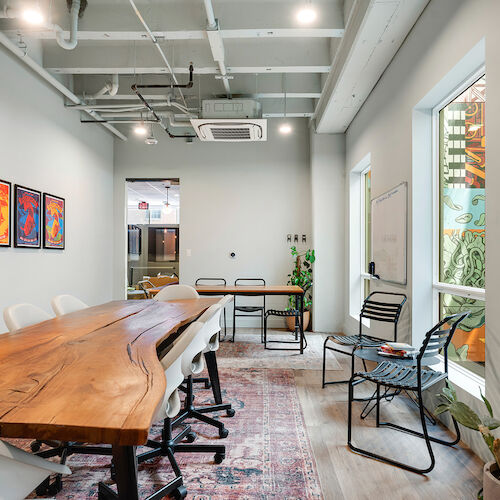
(230, 130)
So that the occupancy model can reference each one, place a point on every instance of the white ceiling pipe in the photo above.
(157, 45)
(110, 88)
(71, 43)
(216, 44)
(162, 114)
(8, 44)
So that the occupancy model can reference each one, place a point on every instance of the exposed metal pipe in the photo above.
(157, 45)
(110, 88)
(71, 43)
(216, 44)
(162, 114)
(8, 44)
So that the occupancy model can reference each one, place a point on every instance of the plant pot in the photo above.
(290, 321)
(491, 484)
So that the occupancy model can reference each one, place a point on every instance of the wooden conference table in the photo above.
(253, 290)
(92, 376)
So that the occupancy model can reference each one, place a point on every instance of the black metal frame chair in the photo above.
(374, 310)
(299, 327)
(392, 374)
(250, 309)
(215, 281)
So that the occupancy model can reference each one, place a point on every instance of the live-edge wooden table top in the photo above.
(90, 376)
(241, 290)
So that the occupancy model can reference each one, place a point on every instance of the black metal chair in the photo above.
(391, 374)
(299, 327)
(214, 281)
(373, 309)
(250, 310)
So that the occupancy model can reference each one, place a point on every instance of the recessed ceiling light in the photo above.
(306, 15)
(33, 16)
(285, 128)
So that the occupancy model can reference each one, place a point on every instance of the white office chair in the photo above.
(22, 315)
(175, 292)
(184, 358)
(65, 304)
(22, 472)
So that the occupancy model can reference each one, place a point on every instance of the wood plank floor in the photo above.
(346, 475)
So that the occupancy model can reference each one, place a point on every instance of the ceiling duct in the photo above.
(231, 120)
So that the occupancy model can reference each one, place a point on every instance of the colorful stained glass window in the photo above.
(462, 164)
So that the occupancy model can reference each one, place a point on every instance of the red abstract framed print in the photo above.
(27, 217)
(5, 213)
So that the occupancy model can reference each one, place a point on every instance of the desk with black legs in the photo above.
(92, 376)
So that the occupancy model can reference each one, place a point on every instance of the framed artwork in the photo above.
(5, 218)
(27, 217)
(54, 221)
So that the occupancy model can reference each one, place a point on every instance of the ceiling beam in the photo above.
(117, 36)
(208, 70)
(264, 95)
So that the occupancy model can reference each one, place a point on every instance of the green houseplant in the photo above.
(464, 415)
(301, 275)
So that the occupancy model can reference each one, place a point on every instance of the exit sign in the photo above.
(143, 205)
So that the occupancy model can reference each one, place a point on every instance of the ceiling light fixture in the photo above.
(140, 129)
(33, 16)
(151, 140)
(285, 128)
(307, 14)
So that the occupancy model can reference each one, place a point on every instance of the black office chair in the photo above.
(375, 310)
(214, 281)
(399, 376)
(250, 310)
(299, 327)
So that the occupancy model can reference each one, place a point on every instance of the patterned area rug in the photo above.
(248, 352)
(268, 454)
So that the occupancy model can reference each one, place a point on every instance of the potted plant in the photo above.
(464, 415)
(301, 275)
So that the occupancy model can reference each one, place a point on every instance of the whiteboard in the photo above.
(389, 226)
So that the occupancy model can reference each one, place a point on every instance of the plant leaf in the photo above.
(442, 408)
(491, 423)
(464, 415)
(450, 393)
(487, 403)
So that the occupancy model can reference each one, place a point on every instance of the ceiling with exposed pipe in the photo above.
(320, 68)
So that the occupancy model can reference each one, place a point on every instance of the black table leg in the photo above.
(301, 323)
(213, 373)
(125, 461)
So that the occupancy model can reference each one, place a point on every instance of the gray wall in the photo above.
(234, 197)
(44, 147)
(439, 40)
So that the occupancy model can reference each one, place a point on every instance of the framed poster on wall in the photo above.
(54, 222)
(5, 217)
(27, 217)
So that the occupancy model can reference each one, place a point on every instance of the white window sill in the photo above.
(463, 378)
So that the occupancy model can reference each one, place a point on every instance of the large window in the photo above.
(366, 238)
(461, 221)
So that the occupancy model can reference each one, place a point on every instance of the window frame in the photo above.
(467, 377)
(362, 265)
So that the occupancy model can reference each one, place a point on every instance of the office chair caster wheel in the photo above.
(190, 437)
(230, 412)
(223, 433)
(219, 457)
(35, 446)
(179, 493)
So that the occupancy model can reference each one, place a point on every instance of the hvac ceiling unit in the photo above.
(231, 120)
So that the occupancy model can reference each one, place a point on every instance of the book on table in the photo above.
(398, 350)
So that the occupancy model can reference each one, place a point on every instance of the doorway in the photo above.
(153, 214)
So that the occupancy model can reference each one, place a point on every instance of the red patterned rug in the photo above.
(268, 454)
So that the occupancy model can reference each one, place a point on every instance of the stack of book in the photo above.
(398, 350)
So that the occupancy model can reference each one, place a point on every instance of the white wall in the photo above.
(328, 200)
(233, 197)
(43, 146)
(440, 39)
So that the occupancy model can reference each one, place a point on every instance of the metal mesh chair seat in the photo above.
(355, 340)
(249, 308)
(276, 312)
(402, 377)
